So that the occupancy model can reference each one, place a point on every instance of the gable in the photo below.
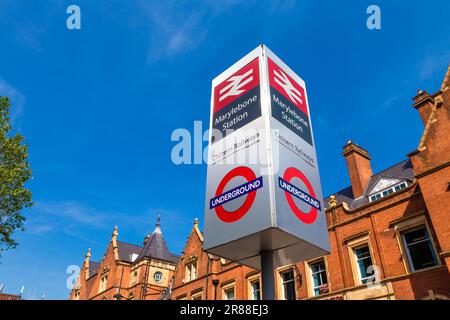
(383, 183)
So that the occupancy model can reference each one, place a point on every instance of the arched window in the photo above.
(134, 277)
(157, 276)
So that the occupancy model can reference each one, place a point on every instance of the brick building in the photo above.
(389, 234)
(7, 296)
(121, 272)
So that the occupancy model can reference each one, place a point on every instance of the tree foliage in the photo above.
(14, 173)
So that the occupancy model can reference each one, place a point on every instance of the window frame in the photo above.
(251, 278)
(408, 252)
(228, 287)
(416, 221)
(389, 190)
(310, 276)
(281, 286)
(103, 283)
(189, 270)
(252, 289)
(355, 243)
(362, 281)
(161, 276)
(134, 280)
(197, 293)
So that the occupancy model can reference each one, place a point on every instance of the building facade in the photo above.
(389, 234)
(128, 271)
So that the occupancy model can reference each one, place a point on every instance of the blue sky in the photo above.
(98, 105)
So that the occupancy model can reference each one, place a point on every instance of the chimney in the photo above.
(359, 169)
(423, 103)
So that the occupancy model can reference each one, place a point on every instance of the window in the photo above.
(134, 277)
(288, 284)
(419, 249)
(388, 191)
(319, 277)
(255, 290)
(363, 261)
(158, 276)
(191, 271)
(229, 293)
(197, 295)
(103, 283)
(77, 295)
(131, 296)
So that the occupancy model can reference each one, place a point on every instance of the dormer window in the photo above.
(388, 191)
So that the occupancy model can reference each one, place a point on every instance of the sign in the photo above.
(259, 106)
(247, 189)
(237, 99)
(288, 101)
(309, 197)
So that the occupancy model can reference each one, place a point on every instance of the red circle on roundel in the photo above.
(232, 216)
(306, 217)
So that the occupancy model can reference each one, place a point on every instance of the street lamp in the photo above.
(215, 283)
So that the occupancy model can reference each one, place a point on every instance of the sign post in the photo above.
(264, 206)
(267, 276)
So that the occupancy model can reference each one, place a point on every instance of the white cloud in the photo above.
(174, 30)
(75, 218)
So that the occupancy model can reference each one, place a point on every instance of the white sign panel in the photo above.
(263, 189)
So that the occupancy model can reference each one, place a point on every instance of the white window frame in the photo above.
(358, 267)
(252, 290)
(392, 189)
(197, 294)
(103, 282)
(282, 282)
(310, 265)
(227, 288)
(191, 271)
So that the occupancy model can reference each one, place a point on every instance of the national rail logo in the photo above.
(236, 100)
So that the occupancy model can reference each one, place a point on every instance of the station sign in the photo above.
(263, 190)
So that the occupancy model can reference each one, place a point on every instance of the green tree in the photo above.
(14, 173)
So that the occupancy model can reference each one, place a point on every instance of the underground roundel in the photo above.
(228, 191)
(307, 196)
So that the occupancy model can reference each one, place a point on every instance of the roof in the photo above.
(156, 248)
(93, 268)
(127, 250)
(402, 170)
